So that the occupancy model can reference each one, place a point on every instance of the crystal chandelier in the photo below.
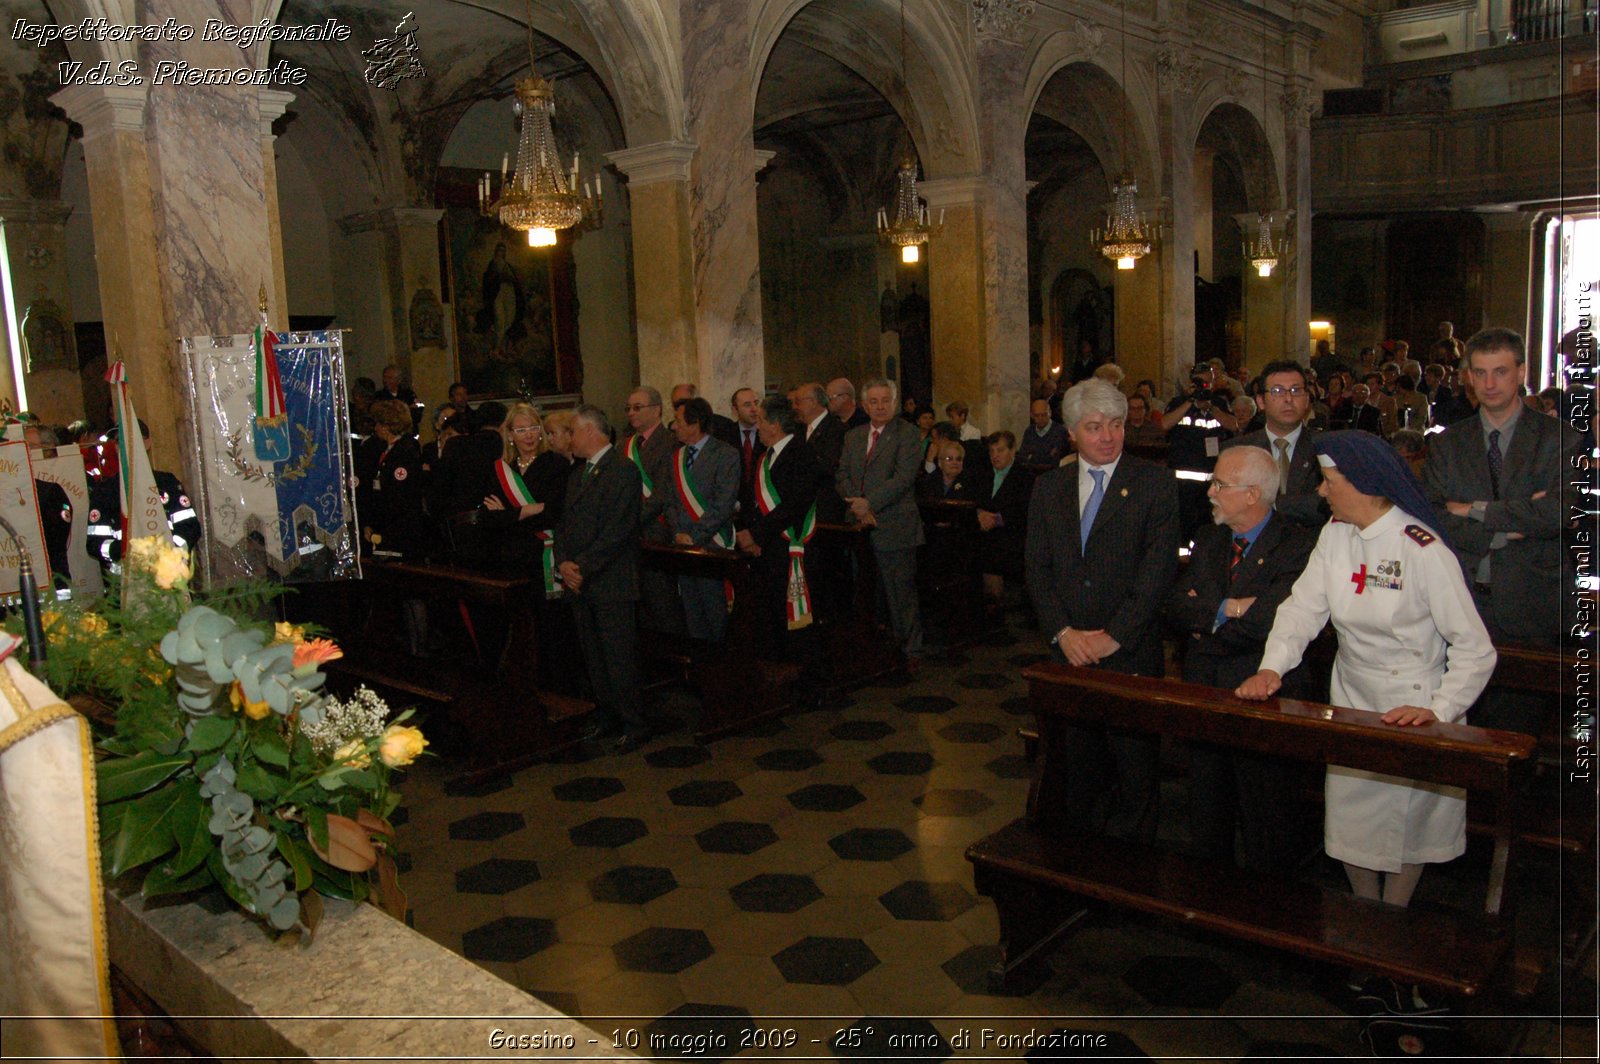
(1264, 250)
(911, 227)
(1126, 237)
(536, 197)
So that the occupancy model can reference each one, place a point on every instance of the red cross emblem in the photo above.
(1360, 579)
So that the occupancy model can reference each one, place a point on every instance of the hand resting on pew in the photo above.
(1265, 684)
(1087, 647)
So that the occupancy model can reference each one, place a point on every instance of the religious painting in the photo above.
(515, 311)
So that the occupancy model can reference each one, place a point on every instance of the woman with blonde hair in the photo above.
(532, 484)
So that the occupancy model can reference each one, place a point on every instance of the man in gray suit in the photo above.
(597, 558)
(1290, 439)
(1495, 480)
(700, 499)
(877, 479)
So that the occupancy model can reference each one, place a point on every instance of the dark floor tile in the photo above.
(1023, 661)
(699, 1031)
(771, 726)
(788, 760)
(826, 798)
(1187, 982)
(971, 732)
(826, 961)
(482, 788)
(1010, 767)
(983, 681)
(902, 763)
(402, 863)
(666, 950)
(704, 792)
(1019, 706)
(893, 680)
(861, 731)
(561, 1002)
(587, 789)
(952, 802)
(510, 938)
(608, 831)
(1077, 1042)
(400, 817)
(736, 836)
(576, 754)
(497, 875)
(677, 757)
(775, 893)
(927, 704)
(632, 884)
(890, 1038)
(871, 844)
(480, 827)
(919, 899)
(970, 969)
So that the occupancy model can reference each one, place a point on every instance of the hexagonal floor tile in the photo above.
(1018, 706)
(497, 875)
(510, 938)
(983, 681)
(970, 969)
(666, 950)
(826, 961)
(678, 757)
(927, 704)
(1187, 982)
(902, 763)
(861, 731)
(1010, 767)
(736, 836)
(472, 788)
(871, 844)
(788, 760)
(775, 893)
(587, 789)
(698, 1031)
(918, 899)
(608, 831)
(481, 827)
(971, 732)
(944, 802)
(887, 1038)
(632, 884)
(704, 792)
(400, 817)
(826, 798)
(1086, 1042)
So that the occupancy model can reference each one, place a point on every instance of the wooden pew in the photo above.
(509, 722)
(1037, 875)
(948, 574)
(859, 644)
(737, 682)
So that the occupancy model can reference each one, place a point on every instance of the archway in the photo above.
(1235, 177)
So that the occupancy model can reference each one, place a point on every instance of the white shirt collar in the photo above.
(776, 449)
(811, 426)
(594, 459)
(1293, 438)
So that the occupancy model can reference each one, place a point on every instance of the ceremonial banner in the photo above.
(21, 508)
(293, 518)
(64, 467)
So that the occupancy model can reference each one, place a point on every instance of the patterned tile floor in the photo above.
(802, 891)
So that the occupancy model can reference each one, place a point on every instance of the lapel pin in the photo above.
(1124, 493)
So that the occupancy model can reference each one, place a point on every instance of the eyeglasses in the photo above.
(839, 395)
(634, 408)
(953, 458)
(1280, 391)
(1223, 485)
(521, 429)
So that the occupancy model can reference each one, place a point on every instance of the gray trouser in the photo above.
(897, 575)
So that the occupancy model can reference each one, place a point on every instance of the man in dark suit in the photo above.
(877, 478)
(827, 564)
(1102, 549)
(597, 557)
(747, 411)
(1495, 481)
(700, 502)
(1242, 569)
(1044, 443)
(1291, 441)
(649, 447)
(842, 402)
(786, 491)
(1003, 517)
(1363, 414)
(721, 427)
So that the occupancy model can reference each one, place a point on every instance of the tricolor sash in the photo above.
(271, 430)
(798, 599)
(632, 450)
(689, 495)
(516, 489)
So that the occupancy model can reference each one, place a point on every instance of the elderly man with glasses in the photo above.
(1289, 438)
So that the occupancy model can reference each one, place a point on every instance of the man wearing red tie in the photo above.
(746, 411)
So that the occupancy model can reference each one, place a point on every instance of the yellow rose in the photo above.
(284, 632)
(48, 619)
(400, 745)
(354, 753)
(94, 624)
(253, 710)
(172, 567)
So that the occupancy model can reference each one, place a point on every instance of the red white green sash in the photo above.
(798, 599)
(689, 495)
(516, 489)
(632, 450)
(271, 434)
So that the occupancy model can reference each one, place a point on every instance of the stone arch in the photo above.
(1076, 82)
(937, 100)
(1234, 130)
(1081, 308)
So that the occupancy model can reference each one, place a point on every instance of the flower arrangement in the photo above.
(229, 764)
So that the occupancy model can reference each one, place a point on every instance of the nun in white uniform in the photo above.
(1411, 646)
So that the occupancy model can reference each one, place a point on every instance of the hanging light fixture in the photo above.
(1264, 250)
(911, 225)
(536, 197)
(1126, 237)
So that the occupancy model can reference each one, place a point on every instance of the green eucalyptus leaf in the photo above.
(285, 913)
(219, 872)
(210, 733)
(117, 778)
(256, 839)
(298, 856)
(146, 830)
(248, 867)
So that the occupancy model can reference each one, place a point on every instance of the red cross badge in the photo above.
(1360, 579)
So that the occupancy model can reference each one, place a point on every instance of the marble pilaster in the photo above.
(722, 194)
(1300, 58)
(274, 103)
(663, 261)
(35, 234)
(956, 291)
(1508, 270)
(404, 243)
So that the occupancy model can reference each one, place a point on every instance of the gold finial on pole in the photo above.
(261, 298)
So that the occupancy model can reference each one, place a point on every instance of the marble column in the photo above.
(1205, 164)
(35, 234)
(401, 247)
(722, 194)
(1508, 270)
(663, 262)
(1174, 217)
(273, 103)
(956, 292)
(1296, 104)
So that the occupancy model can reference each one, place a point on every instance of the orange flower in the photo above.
(310, 654)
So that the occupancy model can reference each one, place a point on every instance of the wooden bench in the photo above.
(949, 576)
(859, 644)
(1037, 876)
(509, 722)
(737, 682)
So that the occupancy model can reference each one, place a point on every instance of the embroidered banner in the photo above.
(21, 508)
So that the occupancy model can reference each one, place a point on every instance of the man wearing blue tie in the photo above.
(1102, 549)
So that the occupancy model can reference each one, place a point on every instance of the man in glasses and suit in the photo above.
(1289, 438)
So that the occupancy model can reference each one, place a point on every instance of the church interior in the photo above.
(741, 167)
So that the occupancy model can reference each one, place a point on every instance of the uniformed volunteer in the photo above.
(103, 535)
(1411, 646)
